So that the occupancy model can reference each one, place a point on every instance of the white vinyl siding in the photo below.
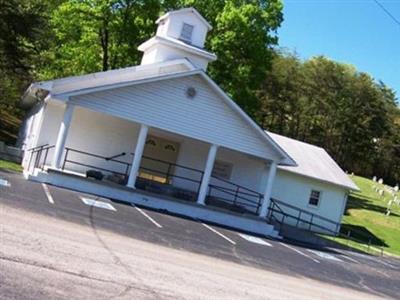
(165, 105)
(296, 190)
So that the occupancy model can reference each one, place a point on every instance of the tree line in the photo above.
(332, 105)
(354, 117)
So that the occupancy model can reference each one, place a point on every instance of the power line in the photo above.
(387, 12)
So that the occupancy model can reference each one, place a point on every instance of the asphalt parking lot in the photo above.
(379, 276)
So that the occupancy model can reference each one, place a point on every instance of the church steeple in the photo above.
(180, 34)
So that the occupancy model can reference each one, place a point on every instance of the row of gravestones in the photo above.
(393, 191)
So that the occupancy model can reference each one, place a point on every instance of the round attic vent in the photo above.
(191, 92)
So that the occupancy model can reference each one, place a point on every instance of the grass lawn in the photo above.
(365, 217)
(11, 166)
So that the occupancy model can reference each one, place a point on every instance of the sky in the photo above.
(356, 32)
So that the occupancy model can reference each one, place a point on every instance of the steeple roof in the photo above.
(184, 11)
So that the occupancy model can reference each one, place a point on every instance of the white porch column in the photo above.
(212, 153)
(62, 136)
(137, 157)
(268, 190)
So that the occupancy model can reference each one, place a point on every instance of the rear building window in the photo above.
(315, 198)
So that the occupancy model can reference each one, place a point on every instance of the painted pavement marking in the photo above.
(147, 216)
(325, 255)
(367, 257)
(350, 258)
(387, 264)
(219, 233)
(47, 192)
(96, 203)
(4, 182)
(299, 252)
(375, 259)
(254, 239)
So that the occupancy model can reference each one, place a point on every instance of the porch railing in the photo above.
(101, 158)
(39, 155)
(170, 171)
(165, 169)
(235, 195)
(223, 193)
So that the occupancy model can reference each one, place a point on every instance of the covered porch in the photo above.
(97, 148)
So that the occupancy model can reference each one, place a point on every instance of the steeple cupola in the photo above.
(180, 34)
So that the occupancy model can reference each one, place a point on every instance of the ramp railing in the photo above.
(285, 213)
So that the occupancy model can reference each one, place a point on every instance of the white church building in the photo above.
(164, 135)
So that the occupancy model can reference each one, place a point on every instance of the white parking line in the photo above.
(325, 255)
(4, 182)
(219, 233)
(350, 258)
(47, 192)
(147, 216)
(299, 252)
(254, 240)
(375, 259)
(96, 203)
(386, 264)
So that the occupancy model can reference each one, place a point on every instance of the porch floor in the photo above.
(169, 191)
(187, 195)
(149, 197)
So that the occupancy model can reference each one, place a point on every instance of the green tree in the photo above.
(22, 25)
(282, 96)
(243, 35)
(332, 105)
(95, 35)
(98, 35)
(242, 40)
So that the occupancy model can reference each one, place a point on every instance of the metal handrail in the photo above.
(310, 222)
(36, 147)
(37, 151)
(95, 155)
(240, 194)
(303, 211)
(171, 163)
(238, 186)
(237, 190)
(115, 156)
(170, 175)
(273, 204)
(231, 192)
(247, 202)
(106, 158)
(66, 160)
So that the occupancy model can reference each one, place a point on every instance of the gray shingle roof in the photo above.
(313, 162)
